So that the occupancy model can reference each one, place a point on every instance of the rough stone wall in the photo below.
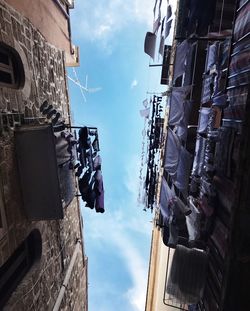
(44, 79)
(44, 66)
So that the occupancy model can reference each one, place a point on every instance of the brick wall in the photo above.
(44, 79)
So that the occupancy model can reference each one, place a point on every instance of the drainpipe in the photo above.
(67, 276)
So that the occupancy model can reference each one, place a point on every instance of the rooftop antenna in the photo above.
(82, 88)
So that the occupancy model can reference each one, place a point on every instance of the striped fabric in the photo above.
(239, 69)
(242, 23)
(237, 103)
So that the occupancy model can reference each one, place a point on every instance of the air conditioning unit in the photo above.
(38, 172)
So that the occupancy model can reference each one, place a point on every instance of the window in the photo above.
(11, 68)
(18, 264)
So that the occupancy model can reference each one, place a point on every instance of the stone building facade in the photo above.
(43, 78)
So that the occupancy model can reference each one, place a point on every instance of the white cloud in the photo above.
(127, 230)
(134, 83)
(113, 231)
(101, 20)
(132, 176)
(137, 267)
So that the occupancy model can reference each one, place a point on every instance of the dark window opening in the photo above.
(6, 77)
(4, 59)
(11, 68)
(20, 262)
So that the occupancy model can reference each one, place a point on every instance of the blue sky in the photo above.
(110, 34)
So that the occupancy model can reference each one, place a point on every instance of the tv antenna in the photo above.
(82, 88)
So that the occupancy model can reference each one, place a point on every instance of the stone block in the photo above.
(6, 16)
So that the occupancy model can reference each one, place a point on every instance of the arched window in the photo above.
(11, 68)
(20, 262)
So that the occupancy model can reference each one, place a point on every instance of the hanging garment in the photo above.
(237, 103)
(172, 151)
(180, 58)
(167, 198)
(64, 143)
(157, 24)
(161, 46)
(220, 99)
(95, 144)
(179, 115)
(169, 12)
(145, 112)
(183, 171)
(149, 44)
(200, 147)
(185, 209)
(84, 139)
(86, 187)
(168, 25)
(203, 120)
(97, 162)
(193, 220)
(223, 151)
(99, 192)
(212, 55)
(179, 107)
(242, 23)
(207, 88)
(173, 232)
(177, 222)
(173, 212)
(189, 65)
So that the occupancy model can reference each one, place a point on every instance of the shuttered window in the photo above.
(11, 68)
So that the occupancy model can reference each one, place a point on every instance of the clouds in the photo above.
(118, 241)
(125, 231)
(137, 267)
(114, 233)
(134, 83)
(101, 20)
